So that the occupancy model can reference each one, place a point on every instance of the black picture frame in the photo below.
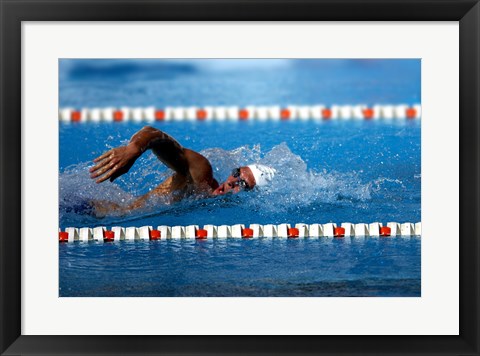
(13, 12)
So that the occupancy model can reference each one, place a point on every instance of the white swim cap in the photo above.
(262, 174)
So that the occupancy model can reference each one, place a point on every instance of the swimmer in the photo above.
(192, 172)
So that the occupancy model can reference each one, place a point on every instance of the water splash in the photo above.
(295, 187)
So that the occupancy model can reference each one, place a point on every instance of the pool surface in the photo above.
(335, 171)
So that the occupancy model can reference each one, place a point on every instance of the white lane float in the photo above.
(241, 231)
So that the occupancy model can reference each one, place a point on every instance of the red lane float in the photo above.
(201, 234)
(118, 115)
(326, 114)
(159, 115)
(108, 235)
(411, 113)
(76, 116)
(285, 114)
(243, 114)
(247, 233)
(368, 113)
(293, 233)
(201, 114)
(63, 236)
(339, 232)
(155, 235)
(385, 231)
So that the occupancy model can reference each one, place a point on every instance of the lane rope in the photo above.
(234, 113)
(240, 231)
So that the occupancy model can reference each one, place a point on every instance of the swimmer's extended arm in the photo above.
(119, 160)
(188, 164)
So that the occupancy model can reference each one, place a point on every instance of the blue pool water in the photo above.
(327, 172)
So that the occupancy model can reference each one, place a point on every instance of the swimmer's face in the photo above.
(241, 179)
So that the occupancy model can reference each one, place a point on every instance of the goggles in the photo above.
(241, 182)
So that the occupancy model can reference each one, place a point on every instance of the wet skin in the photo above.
(193, 172)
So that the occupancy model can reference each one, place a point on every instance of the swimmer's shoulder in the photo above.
(200, 168)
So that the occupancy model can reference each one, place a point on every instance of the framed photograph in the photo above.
(280, 163)
(225, 174)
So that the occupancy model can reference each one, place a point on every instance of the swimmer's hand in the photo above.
(114, 163)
